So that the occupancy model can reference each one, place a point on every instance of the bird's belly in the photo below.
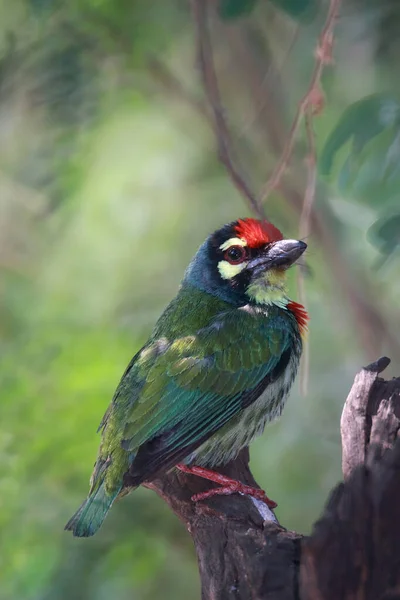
(227, 442)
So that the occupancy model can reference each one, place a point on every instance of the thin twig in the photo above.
(311, 98)
(311, 177)
(303, 232)
(210, 84)
(305, 357)
(311, 104)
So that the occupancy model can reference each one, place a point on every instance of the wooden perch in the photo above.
(354, 550)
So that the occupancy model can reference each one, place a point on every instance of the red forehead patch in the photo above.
(257, 233)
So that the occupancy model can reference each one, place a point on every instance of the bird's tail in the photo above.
(91, 514)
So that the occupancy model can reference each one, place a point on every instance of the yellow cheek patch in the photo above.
(232, 242)
(227, 271)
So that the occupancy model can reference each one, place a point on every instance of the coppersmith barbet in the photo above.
(217, 367)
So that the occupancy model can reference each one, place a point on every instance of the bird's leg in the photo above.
(229, 485)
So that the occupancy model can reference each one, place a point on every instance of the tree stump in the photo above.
(354, 550)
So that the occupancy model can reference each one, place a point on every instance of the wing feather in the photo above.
(199, 382)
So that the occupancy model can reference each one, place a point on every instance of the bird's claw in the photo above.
(237, 488)
(228, 485)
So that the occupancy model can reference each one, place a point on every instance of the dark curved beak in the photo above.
(282, 254)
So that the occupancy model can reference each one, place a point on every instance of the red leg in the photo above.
(229, 485)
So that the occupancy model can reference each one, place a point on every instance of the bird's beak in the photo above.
(282, 255)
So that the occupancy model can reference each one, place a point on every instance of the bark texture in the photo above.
(354, 550)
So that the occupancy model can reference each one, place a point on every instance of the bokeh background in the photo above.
(109, 181)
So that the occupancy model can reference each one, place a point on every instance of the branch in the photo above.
(235, 537)
(244, 554)
(210, 84)
(360, 418)
(354, 549)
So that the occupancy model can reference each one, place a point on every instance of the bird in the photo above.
(217, 367)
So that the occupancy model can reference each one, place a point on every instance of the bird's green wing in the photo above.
(191, 387)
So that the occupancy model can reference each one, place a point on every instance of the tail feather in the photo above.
(91, 514)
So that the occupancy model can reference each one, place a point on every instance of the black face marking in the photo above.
(235, 286)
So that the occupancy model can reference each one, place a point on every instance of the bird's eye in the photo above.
(235, 255)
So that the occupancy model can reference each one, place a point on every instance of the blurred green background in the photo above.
(109, 181)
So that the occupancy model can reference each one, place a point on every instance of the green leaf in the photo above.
(303, 10)
(372, 175)
(39, 6)
(298, 9)
(360, 123)
(384, 234)
(232, 9)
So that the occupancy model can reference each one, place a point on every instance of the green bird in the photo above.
(217, 367)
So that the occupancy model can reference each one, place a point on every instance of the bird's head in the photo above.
(245, 261)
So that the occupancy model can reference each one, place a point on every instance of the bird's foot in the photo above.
(229, 485)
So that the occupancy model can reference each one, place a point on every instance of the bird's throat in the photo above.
(269, 288)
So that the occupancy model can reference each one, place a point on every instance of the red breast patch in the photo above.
(300, 314)
(257, 233)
